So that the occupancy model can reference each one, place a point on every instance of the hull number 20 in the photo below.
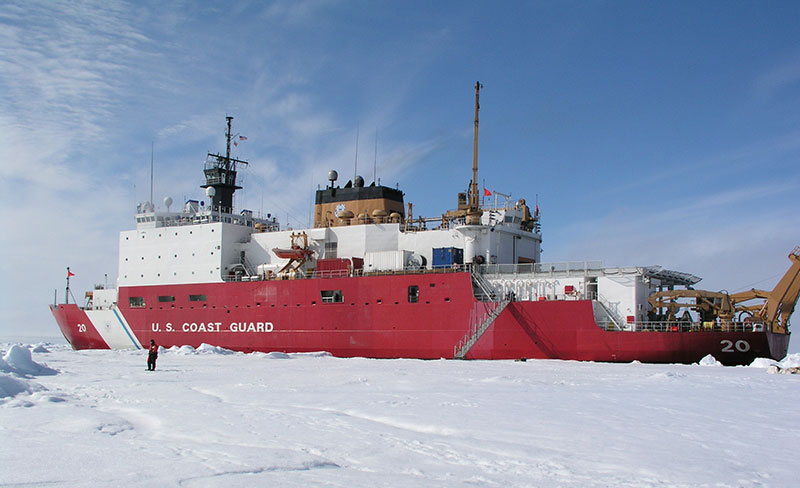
(740, 345)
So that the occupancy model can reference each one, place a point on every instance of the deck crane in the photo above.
(772, 309)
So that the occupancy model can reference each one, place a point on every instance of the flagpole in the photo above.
(66, 294)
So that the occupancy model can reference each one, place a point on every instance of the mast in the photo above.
(474, 211)
(228, 139)
(220, 173)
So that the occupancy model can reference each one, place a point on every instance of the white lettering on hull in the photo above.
(214, 327)
(251, 327)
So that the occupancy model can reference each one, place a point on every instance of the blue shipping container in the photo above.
(447, 256)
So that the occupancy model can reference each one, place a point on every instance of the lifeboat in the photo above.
(293, 253)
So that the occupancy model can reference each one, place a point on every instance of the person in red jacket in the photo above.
(152, 355)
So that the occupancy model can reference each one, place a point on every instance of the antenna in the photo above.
(152, 150)
(355, 169)
(220, 173)
(375, 163)
(228, 138)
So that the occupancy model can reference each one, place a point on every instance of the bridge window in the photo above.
(136, 302)
(413, 294)
(332, 296)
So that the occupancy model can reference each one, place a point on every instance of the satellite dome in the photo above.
(167, 202)
(358, 182)
(333, 175)
(210, 191)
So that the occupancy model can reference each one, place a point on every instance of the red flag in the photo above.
(537, 209)
(70, 273)
(236, 143)
(486, 193)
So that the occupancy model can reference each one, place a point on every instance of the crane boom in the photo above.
(773, 310)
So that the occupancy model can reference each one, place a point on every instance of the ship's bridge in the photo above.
(194, 213)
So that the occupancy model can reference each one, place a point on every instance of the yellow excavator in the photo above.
(772, 309)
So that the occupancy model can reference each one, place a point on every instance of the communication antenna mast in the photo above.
(228, 138)
(375, 163)
(355, 168)
(152, 150)
(220, 173)
(474, 211)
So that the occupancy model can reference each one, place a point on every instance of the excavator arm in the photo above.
(782, 300)
(774, 310)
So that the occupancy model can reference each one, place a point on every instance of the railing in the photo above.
(477, 327)
(545, 269)
(610, 316)
(673, 326)
(485, 291)
(341, 273)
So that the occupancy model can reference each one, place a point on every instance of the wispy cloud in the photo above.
(783, 76)
(293, 11)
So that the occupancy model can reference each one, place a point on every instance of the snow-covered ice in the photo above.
(210, 417)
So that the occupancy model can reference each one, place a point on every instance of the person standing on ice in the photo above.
(152, 355)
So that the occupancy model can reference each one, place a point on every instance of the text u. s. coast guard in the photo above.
(213, 327)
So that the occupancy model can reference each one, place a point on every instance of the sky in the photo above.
(650, 133)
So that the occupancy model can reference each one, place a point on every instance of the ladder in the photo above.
(605, 306)
(251, 271)
(482, 289)
(476, 331)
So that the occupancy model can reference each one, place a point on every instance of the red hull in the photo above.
(376, 319)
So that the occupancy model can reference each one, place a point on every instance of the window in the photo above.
(331, 249)
(332, 296)
(413, 294)
(197, 298)
(165, 298)
(136, 302)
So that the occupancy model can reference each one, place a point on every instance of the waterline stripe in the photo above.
(125, 328)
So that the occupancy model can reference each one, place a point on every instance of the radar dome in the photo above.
(358, 182)
(210, 191)
(168, 202)
(333, 175)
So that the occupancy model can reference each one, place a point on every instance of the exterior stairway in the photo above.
(465, 344)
